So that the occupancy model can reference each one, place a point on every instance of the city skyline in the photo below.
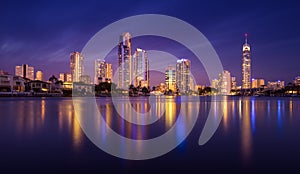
(273, 30)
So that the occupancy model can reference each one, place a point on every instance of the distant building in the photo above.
(76, 66)
(170, 78)
(1, 72)
(215, 83)
(125, 62)
(297, 81)
(65, 77)
(246, 65)
(183, 75)
(103, 71)
(276, 85)
(224, 85)
(85, 79)
(258, 83)
(140, 68)
(233, 83)
(25, 71)
(39, 75)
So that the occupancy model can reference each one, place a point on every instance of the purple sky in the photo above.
(43, 33)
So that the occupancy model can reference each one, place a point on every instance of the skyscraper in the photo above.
(124, 61)
(103, 71)
(25, 71)
(170, 78)
(76, 66)
(39, 75)
(224, 86)
(246, 65)
(140, 68)
(183, 71)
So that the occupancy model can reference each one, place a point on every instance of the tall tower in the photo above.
(140, 68)
(183, 73)
(125, 64)
(246, 66)
(76, 66)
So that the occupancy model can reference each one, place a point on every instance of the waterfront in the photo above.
(256, 134)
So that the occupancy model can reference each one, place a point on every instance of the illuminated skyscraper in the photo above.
(124, 60)
(103, 71)
(246, 66)
(39, 75)
(76, 66)
(170, 78)
(140, 68)
(224, 86)
(25, 71)
(183, 73)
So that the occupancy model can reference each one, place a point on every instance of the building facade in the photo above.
(258, 83)
(124, 62)
(170, 78)
(39, 75)
(65, 77)
(76, 66)
(224, 86)
(25, 71)
(246, 65)
(103, 71)
(140, 68)
(183, 73)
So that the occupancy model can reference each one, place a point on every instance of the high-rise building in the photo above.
(76, 66)
(170, 78)
(140, 68)
(39, 75)
(246, 65)
(65, 77)
(224, 86)
(215, 83)
(183, 73)
(124, 62)
(233, 83)
(258, 83)
(103, 71)
(25, 71)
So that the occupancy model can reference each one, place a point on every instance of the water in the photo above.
(40, 135)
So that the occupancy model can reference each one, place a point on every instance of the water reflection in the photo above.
(244, 119)
(246, 137)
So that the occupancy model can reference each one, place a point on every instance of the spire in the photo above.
(246, 38)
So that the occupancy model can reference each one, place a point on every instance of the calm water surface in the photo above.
(41, 135)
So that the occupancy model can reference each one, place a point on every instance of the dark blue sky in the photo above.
(43, 33)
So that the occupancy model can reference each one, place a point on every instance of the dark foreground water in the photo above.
(42, 135)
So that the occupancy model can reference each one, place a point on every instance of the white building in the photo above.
(76, 66)
(224, 86)
(140, 68)
(183, 75)
(125, 62)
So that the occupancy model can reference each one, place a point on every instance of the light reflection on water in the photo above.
(245, 117)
